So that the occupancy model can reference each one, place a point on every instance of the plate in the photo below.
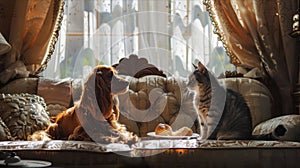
(27, 163)
(152, 134)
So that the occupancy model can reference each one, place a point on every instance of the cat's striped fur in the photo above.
(224, 113)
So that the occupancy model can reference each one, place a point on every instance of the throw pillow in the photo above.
(23, 114)
(285, 128)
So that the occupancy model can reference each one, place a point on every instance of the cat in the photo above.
(223, 113)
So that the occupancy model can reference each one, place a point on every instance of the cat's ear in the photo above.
(194, 66)
(201, 67)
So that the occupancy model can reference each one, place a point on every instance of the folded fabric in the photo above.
(4, 46)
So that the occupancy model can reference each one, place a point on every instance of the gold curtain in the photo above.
(31, 28)
(256, 35)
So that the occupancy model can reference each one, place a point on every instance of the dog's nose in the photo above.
(119, 85)
(118, 80)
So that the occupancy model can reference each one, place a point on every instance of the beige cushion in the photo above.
(154, 99)
(55, 92)
(257, 96)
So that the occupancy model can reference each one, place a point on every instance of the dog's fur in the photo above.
(95, 116)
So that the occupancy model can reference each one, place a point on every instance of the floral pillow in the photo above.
(4, 132)
(22, 114)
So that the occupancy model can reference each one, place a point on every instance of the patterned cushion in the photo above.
(4, 132)
(291, 123)
(23, 114)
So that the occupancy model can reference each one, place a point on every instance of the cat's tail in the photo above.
(278, 132)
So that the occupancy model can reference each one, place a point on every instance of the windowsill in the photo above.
(160, 153)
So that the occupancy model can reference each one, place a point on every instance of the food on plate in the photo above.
(166, 130)
(184, 131)
(163, 129)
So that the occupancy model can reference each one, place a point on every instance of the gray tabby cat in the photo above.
(224, 113)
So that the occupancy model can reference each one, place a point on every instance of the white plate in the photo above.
(152, 134)
(27, 163)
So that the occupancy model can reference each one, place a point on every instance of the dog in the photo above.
(95, 116)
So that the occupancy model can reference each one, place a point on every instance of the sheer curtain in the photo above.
(171, 34)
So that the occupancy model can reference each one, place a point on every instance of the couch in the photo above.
(152, 98)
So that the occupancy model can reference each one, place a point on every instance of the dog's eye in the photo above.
(111, 74)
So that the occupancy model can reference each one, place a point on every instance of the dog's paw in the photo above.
(39, 136)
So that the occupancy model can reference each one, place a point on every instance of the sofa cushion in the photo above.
(23, 114)
(289, 123)
(154, 99)
(49, 89)
(256, 94)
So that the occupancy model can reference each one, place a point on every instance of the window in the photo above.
(171, 34)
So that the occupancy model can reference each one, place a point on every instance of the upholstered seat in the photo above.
(154, 99)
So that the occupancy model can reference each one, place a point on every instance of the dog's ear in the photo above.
(105, 74)
(102, 92)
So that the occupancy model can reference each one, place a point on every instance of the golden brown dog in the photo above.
(95, 116)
